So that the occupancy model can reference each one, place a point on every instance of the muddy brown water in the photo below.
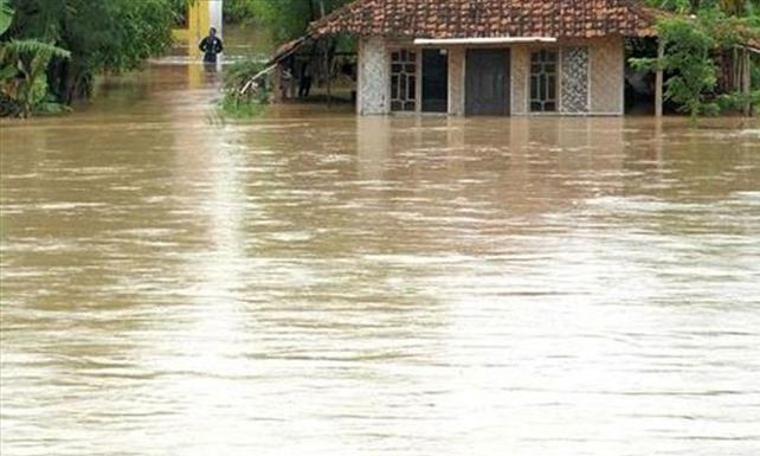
(311, 282)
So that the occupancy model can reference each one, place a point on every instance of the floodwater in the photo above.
(313, 283)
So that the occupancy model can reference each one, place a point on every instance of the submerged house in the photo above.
(490, 57)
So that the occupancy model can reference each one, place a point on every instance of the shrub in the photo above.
(243, 97)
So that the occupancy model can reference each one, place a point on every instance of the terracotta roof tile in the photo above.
(489, 18)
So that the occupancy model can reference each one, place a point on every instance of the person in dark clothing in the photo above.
(304, 86)
(211, 46)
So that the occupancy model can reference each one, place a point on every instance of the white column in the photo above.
(216, 14)
(374, 77)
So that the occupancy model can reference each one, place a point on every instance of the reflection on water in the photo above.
(316, 283)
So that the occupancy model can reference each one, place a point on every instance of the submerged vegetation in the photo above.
(23, 80)
(244, 97)
(51, 49)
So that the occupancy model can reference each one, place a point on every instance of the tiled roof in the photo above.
(489, 18)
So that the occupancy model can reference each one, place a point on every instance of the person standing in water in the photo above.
(211, 46)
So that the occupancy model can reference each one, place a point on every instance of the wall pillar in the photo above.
(456, 80)
(373, 87)
(216, 15)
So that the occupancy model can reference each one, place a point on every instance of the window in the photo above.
(543, 81)
(403, 80)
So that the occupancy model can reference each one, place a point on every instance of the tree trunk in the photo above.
(659, 76)
(747, 81)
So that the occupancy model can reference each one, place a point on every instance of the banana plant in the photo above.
(23, 66)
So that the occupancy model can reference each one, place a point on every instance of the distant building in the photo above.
(492, 57)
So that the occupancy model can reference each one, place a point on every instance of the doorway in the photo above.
(435, 80)
(487, 82)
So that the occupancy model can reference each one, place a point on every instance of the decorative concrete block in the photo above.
(575, 80)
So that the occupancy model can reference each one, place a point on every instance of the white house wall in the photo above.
(591, 69)
(607, 76)
(374, 77)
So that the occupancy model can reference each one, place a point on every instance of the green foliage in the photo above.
(679, 6)
(140, 30)
(687, 56)
(241, 98)
(179, 9)
(23, 79)
(289, 19)
(737, 101)
(730, 7)
(107, 35)
(236, 108)
(691, 43)
(238, 11)
(6, 15)
(100, 36)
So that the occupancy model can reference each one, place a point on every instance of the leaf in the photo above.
(6, 15)
(34, 48)
(8, 72)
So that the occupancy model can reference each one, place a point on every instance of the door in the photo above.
(435, 80)
(487, 82)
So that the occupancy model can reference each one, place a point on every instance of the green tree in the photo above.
(99, 36)
(238, 11)
(288, 19)
(731, 7)
(696, 34)
(687, 56)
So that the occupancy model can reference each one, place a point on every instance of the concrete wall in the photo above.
(607, 76)
(456, 81)
(590, 77)
(596, 72)
(374, 77)
(520, 62)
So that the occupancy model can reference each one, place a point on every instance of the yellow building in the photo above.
(201, 16)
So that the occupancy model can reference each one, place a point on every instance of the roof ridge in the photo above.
(454, 18)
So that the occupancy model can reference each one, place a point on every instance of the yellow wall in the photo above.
(200, 18)
(199, 21)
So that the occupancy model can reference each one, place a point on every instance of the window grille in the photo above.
(403, 80)
(543, 81)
